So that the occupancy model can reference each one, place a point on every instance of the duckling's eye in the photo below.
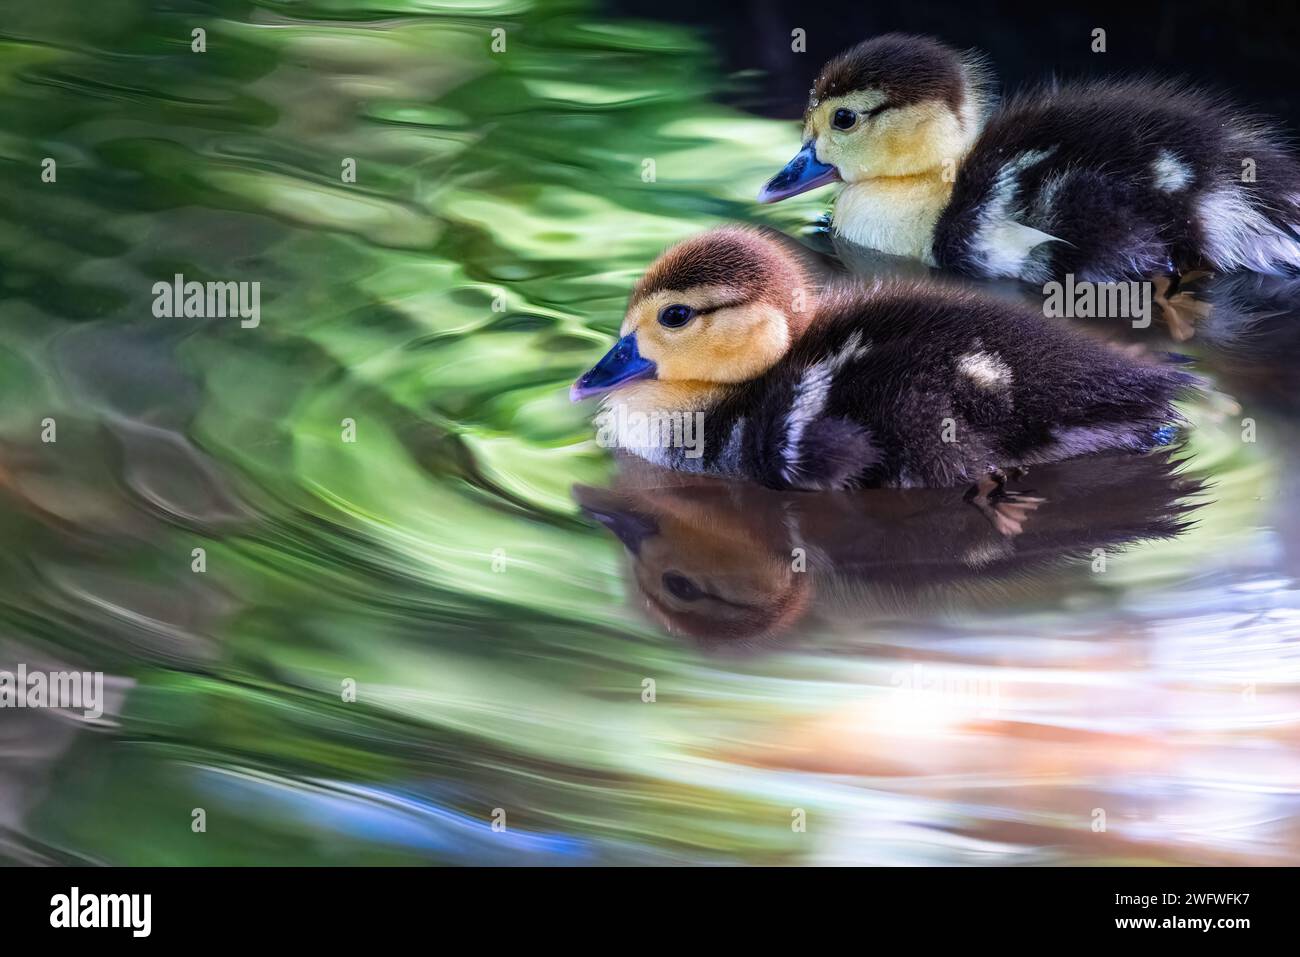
(676, 315)
(679, 586)
(844, 119)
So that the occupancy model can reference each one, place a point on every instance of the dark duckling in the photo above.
(731, 363)
(1106, 181)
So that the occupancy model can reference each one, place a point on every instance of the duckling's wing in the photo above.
(1128, 176)
(787, 438)
(830, 453)
(1026, 389)
(986, 228)
(1102, 400)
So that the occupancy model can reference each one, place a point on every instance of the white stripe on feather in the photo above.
(1237, 235)
(1004, 243)
(810, 398)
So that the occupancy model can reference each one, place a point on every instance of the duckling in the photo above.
(1109, 180)
(729, 362)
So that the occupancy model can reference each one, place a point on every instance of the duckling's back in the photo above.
(1131, 179)
(912, 385)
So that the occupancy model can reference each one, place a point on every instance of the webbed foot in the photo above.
(1007, 511)
(1181, 309)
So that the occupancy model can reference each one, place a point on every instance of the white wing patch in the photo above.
(1239, 236)
(1008, 244)
(809, 401)
(986, 369)
(1170, 173)
(1005, 243)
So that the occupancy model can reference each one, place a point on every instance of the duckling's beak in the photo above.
(801, 174)
(623, 363)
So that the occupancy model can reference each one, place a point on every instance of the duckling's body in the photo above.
(898, 385)
(908, 386)
(1130, 179)
(1102, 180)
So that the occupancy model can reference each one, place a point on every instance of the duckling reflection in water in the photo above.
(731, 564)
(896, 384)
(1107, 180)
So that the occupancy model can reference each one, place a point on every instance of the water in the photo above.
(1115, 679)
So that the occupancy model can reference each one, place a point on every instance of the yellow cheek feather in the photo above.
(693, 363)
(730, 345)
(905, 141)
(914, 141)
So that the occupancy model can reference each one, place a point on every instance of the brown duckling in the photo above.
(1107, 180)
(730, 362)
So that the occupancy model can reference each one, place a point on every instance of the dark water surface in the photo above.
(1109, 674)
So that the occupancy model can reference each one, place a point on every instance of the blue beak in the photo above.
(801, 174)
(623, 363)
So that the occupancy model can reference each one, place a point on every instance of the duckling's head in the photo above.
(896, 105)
(719, 308)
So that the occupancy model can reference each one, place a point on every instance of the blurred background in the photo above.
(1115, 681)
